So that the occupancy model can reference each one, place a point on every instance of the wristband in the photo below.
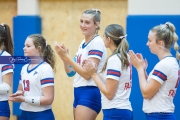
(71, 74)
(32, 100)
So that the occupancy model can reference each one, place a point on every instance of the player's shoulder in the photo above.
(166, 64)
(114, 58)
(45, 66)
(42, 67)
(5, 53)
(98, 39)
(167, 61)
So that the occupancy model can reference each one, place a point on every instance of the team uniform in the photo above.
(119, 108)
(86, 92)
(5, 69)
(161, 104)
(32, 82)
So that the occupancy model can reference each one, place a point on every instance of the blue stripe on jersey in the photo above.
(47, 80)
(95, 52)
(113, 72)
(28, 71)
(160, 75)
(1, 53)
(7, 67)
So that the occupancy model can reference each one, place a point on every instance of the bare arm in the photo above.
(63, 54)
(7, 78)
(148, 89)
(48, 95)
(79, 68)
(108, 89)
(46, 99)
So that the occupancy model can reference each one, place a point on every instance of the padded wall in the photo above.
(137, 29)
(23, 26)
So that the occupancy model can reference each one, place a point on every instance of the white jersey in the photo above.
(166, 73)
(124, 77)
(96, 49)
(5, 68)
(33, 81)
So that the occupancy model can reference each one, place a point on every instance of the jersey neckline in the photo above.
(84, 45)
(1, 52)
(28, 71)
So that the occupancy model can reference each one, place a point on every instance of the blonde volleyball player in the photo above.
(36, 86)
(116, 78)
(159, 88)
(87, 97)
(6, 49)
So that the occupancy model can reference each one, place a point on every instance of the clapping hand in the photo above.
(137, 60)
(17, 97)
(61, 50)
(89, 66)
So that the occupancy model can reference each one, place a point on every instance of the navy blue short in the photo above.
(4, 109)
(117, 114)
(43, 115)
(160, 116)
(88, 96)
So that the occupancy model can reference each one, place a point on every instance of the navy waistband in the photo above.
(160, 113)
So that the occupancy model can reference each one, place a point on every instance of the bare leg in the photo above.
(84, 113)
(3, 118)
(74, 109)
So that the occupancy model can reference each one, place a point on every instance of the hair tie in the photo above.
(2, 24)
(167, 25)
(95, 10)
(121, 37)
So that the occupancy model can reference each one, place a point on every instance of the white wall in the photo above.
(153, 7)
(28, 7)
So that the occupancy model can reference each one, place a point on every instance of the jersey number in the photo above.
(130, 65)
(128, 85)
(173, 92)
(26, 84)
(177, 83)
(79, 59)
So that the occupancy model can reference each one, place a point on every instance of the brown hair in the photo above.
(46, 50)
(6, 42)
(116, 33)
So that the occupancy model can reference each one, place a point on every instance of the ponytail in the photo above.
(46, 50)
(49, 56)
(6, 39)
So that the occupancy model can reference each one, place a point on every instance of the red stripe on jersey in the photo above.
(7, 67)
(47, 80)
(113, 72)
(95, 52)
(160, 75)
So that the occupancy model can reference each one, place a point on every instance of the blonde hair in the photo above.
(96, 16)
(166, 32)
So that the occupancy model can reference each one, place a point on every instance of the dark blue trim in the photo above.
(1, 53)
(28, 71)
(84, 45)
